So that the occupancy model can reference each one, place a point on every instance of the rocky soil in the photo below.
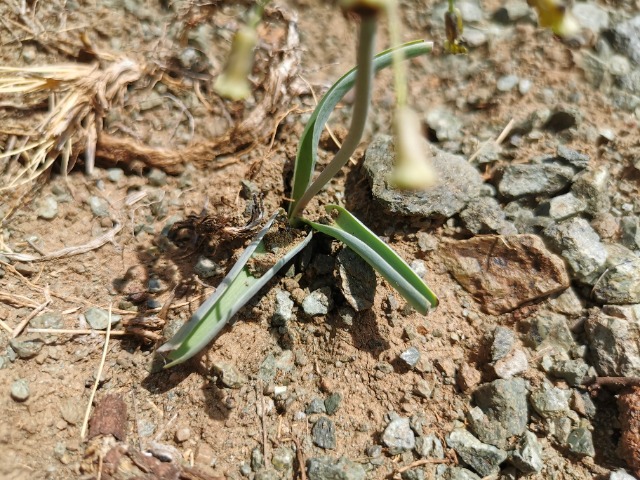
(528, 368)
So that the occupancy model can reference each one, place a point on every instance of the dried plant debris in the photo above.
(80, 97)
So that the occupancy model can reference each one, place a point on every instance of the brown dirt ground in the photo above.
(331, 356)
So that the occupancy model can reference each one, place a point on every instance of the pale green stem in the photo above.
(399, 70)
(364, 81)
(452, 6)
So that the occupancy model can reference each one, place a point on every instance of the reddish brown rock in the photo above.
(505, 272)
(629, 415)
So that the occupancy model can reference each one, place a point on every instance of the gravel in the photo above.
(527, 456)
(318, 302)
(323, 434)
(580, 442)
(98, 318)
(410, 356)
(357, 280)
(398, 436)
(484, 459)
(26, 347)
(228, 374)
(20, 390)
(550, 402)
(329, 469)
(99, 206)
(47, 208)
(207, 268)
(534, 179)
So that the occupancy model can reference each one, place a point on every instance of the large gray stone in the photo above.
(579, 244)
(398, 436)
(620, 282)
(580, 442)
(318, 302)
(328, 469)
(484, 459)
(501, 411)
(565, 206)
(614, 340)
(527, 457)
(323, 433)
(551, 402)
(626, 38)
(592, 186)
(486, 216)
(630, 227)
(550, 329)
(534, 179)
(458, 182)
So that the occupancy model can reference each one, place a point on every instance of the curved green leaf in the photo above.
(349, 230)
(308, 148)
(235, 290)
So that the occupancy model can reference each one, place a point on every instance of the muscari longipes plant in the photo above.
(287, 233)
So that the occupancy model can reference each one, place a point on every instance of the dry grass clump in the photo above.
(79, 97)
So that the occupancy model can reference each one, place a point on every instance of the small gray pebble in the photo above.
(20, 390)
(99, 206)
(99, 317)
(48, 208)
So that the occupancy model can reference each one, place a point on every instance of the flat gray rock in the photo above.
(501, 411)
(620, 282)
(613, 335)
(484, 459)
(578, 243)
(458, 182)
(357, 280)
(527, 457)
(398, 436)
(626, 38)
(534, 179)
(329, 469)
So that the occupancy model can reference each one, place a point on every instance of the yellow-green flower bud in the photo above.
(552, 14)
(233, 83)
(412, 169)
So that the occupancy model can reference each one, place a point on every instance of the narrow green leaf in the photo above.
(349, 230)
(308, 148)
(235, 290)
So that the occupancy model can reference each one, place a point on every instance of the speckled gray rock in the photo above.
(550, 402)
(501, 411)
(592, 186)
(318, 302)
(316, 405)
(630, 227)
(484, 459)
(329, 469)
(207, 268)
(26, 347)
(357, 280)
(398, 436)
(157, 177)
(20, 390)
(282, 459)
(612, 334)
(621, 475)
(512, 365)
(444, 124)
(565, 206)
(459, 473)
(580, 442)
(503, 340)
(323, 433)
(591, 16)
(573, 371)
(98, 318)
(527, 456)
(228, 374)
(620, 282)
(429, 446)
(486, 216)
(534, 179)
(549, 329)
(332, 403)
(577, 159)
(458, 182)
(99, 206)
(283, 310)
(48, 320)
(579, 244)
(47, 208)
(115, 174)
(626, 38)
(410, 356)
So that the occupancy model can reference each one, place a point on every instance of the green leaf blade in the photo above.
(349, 230)
(308, 149)
(235, 290)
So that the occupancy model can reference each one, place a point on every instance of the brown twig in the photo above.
(614, 382)
(299, 455)
(108, 237)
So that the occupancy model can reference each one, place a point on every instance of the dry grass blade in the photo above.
(86, 93)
